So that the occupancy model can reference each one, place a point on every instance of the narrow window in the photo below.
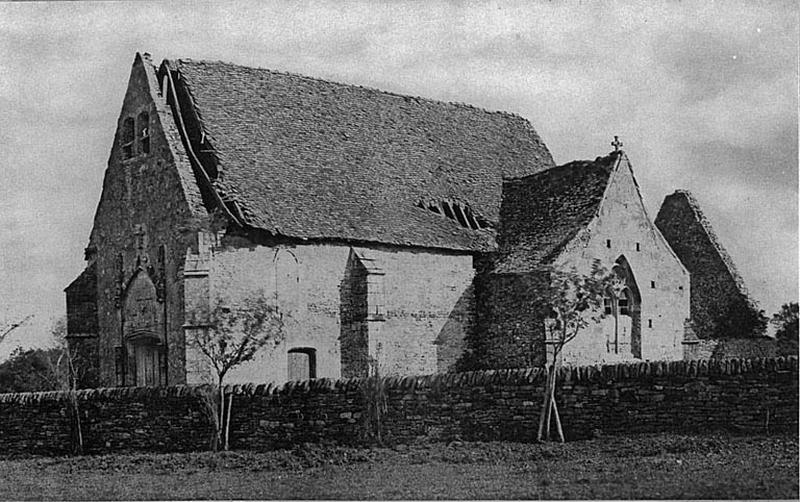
(652, 284)
(608, 243)
(127, 137)
(162, 256)
(649, 323)
(607, 305)
(144, 132)
(119, 366)
(623, 303)
(638, 247)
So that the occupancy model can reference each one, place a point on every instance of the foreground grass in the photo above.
(660, 466)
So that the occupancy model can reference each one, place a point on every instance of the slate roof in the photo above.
(543, 212)
(313, 159)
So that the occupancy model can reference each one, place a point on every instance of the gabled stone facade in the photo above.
(598, 214)
(141, 232)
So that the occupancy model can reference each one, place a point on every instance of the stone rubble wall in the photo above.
(740, 395)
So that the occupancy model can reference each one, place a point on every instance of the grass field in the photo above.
(661, 466)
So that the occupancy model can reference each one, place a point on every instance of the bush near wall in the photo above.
(740, 395)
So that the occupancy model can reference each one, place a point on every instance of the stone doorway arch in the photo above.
(143, 333)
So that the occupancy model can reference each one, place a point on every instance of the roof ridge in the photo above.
(456, 104)
(600, 162)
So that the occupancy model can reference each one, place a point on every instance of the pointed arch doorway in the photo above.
(143, 334)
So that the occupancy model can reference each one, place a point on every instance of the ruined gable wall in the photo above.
(153, 190)
(623, 221)
(423, 300)
(720, 306)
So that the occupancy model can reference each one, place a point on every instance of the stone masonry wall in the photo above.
(420, 306)
(738, 395)
(82, 330)
(510, 333)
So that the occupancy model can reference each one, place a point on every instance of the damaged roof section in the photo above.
(308, 158)
(543, 212)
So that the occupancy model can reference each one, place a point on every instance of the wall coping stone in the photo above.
(439, 382)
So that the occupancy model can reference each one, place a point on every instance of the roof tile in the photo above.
(314, 159)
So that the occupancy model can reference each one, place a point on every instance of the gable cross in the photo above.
(616, 143)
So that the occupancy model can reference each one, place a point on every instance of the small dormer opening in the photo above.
(127, 138)
(143, 132)
(448, 211)
(460, 215)
(463, 214)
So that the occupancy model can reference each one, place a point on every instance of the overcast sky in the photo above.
(703, 95)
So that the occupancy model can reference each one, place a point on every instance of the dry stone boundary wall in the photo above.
(740, 395)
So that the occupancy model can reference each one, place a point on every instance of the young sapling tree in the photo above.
(234, 335)
(571, 302)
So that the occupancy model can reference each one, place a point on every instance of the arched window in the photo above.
(622, 306)
(127, 138)
(143, 132)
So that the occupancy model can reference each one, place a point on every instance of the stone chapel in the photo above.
(382, 227)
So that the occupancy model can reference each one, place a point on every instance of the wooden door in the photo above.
(147, 366)
(302, 364)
